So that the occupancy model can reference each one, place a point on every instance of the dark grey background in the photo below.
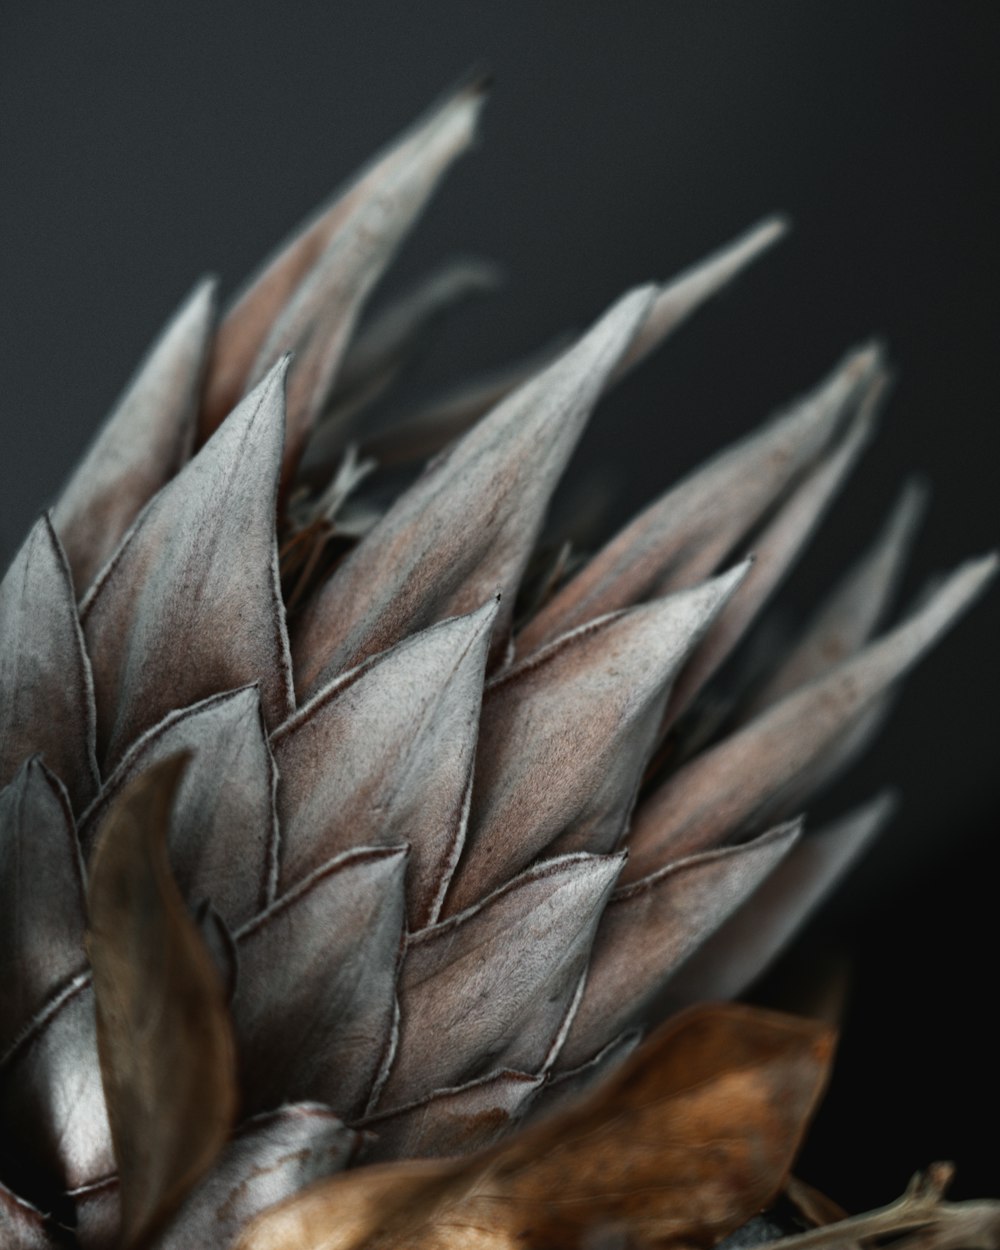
(144, 144)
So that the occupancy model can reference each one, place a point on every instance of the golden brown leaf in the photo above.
(691, 1136)
(167, 1057)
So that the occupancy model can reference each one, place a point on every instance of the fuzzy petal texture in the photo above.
(143, 443)
(190, 605)
(222, 828)
(320, 1030)
(42, 915)
(498, 1003)
(46, 692)
(651, 927)
(384, 756)
(465, 530)
(565, 737)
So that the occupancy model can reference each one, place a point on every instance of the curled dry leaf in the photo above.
(691, 1136)
(166, 1050)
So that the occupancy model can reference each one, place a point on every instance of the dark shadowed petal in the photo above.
(680, 297)
(249, 322)
(46, 694)
(51, 1092)
(452, 1121)
(384, 756)
(98, 1213)
(473, 1000)
(222, 828)
(465, 530)
(166, 1049)
(271, 1158)
(143, 443)
(190, 605)
(753, 771)
(775, 551)
(682, 536)
(738, 952)
(316, 996)
(652, 926)
(853, 611)
(41, 897)
(22, 1226)
(220, 944)
(566, 735)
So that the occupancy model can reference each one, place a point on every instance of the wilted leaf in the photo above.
(692, 1135)
(167, 1056)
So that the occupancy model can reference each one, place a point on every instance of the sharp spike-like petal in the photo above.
(683, 295)
(167, 1058)
(681, 537)
(846, 621)
(452, 1121)
(320, 1029)
(466, 528)
(498, 1003)
(46, 691)
(190, 605)
(222, 828)
(321, 315)
(384, 755)
(41, 898)
(271, 1158)
(775, 551)
(50, 1088)
(651, 927)
(738, 952)
(23, 1226)
(743, 779)
(143, 443)
(565, 737)
(250, 321)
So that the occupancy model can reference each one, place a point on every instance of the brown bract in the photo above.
(691, 1136)
(166, 1050)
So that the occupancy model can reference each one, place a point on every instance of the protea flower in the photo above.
(345, 821)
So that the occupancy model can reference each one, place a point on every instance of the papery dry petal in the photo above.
(566, 735)
(220, 944)
(753, 771)
(627, 1159)
(250, 320)
(681, 296)
(97, 1210)
(565, 1087)
(41, 897)
(743, 947)
(319, 1029)
(499, 1003)
(466, 528)
(775, 551)
(46, 692)
(682, 536)
(271, 1158)
(190, 606)
(452, 1121)
(651, 927)
(51, 1091)
(320, 316)
(222, 827)
(849, 616)
(166, 1049)
(143, 443)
